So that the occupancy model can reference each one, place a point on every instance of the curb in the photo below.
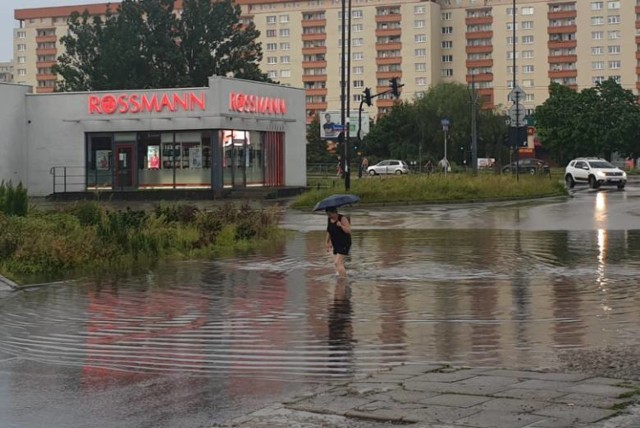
(6, 282)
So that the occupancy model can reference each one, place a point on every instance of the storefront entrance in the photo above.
(124, 166)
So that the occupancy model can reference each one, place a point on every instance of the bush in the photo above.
(13, 201)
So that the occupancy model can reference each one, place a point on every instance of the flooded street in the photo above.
(193, 343)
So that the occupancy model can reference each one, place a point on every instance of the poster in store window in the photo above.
(195, 157)
(102, 159)
(153, 157)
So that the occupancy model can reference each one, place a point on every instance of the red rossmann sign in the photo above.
(146, 103)
(244, 103)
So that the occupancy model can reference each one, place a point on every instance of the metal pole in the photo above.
(343, 120)
(474, 129)
(347, 148)
(359, 137)
(516, 148)
(446, 167)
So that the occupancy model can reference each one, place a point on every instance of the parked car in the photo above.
(528, 166)
(392, 166)
(594, 171)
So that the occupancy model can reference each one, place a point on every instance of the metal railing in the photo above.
(64, 177)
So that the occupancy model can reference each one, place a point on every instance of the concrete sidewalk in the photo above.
(439, 396)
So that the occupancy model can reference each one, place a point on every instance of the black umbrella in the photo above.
(335, 201)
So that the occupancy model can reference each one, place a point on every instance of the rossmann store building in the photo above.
(195, 141)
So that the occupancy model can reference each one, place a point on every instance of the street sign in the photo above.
(521, 112)
(516, 94)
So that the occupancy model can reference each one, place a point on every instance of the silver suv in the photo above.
(594, 171)
(393, 166)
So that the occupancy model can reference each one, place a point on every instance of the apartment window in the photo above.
(527, 10)
(597, 65)
(272, 74)
(22, 47)
(421, 66)
(597, 35)
(596, 5)
(529, 98)
(510, 70)
(421, 81)
(510, 26)
(447, 30)
(510, 11)
(447, 58)
(271, 33)
(598, 79)
(357, 28)
(527, 25)
(358, 56)
(272, 46)
(358, 83)
(597, 50)
(285, 46)
(617, 79)
(597, 20)
(509, 84)
(447, 44)
(420, 52)
(418, 23)
(22, 59)
(22, 72)
(527, 54)
(357, 98)
(527, 83)
(614, 50)
(22, 34)
(418, 10)
(420, 38)
(527, 40)
(358, 70)
(527, 69)
(446, 72)
(272, 60)
(614, 65)
(285, 59)
(284, 19)
(445, 16)
(356, 14)
(285, 73)
(510, 40)
(271, 19)
(284, 32)
(613, 5)
(510, 55)
(613, 19)
(614, 35)
(358, 42)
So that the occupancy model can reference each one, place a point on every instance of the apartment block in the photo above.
(574, 42)
(6, 72)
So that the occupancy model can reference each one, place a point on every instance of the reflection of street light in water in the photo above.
(601, 278)
(601, 209)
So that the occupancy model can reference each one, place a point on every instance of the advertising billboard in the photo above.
(331, 126)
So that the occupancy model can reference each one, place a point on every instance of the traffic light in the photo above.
(395, 88)
(367, 97)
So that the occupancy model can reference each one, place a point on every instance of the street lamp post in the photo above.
(445, 128)
(517, 125)
(474, 126)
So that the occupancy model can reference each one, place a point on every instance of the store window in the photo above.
(99, 161)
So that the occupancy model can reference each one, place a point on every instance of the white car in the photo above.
(594, 171)
(392, 166)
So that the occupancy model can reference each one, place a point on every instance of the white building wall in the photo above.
(13, 119)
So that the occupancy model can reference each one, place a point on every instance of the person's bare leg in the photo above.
(340, 268)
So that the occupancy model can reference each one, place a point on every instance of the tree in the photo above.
(144, 45)
(593, 122)
(316, 147)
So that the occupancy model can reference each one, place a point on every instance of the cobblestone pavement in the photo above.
(440, 396)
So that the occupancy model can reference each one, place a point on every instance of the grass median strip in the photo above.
(438, 188)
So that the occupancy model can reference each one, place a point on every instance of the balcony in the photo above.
(392, 17)
(46, 39)
(311, 92)
(562, 29)
(388, 74)
(46, 77)
(45, 64)
(314, 78)
(314, 64)
(638, 9)
(317, 106)
(486, 94)
(638, 85)
(388, 46)
(638, 70)
(474, 35)
(388, 32)
(313, 37)
(314, 23)
(637, 40)
(562, 74)
(389, 60)
(562, 14)
(562, 44)
(45, 90)
(483, 49)
(479, 63)
(638, 55)
(480, 77)
(314, 51)
(479, 20)
(384, 102)
(43, 52)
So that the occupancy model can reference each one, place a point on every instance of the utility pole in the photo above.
(474, 126)
(343, 79)
(347, 125)
(515, 142)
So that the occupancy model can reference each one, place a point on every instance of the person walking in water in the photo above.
(338, 239)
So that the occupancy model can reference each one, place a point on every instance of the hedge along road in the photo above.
(194, 343)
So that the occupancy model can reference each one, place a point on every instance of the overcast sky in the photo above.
(7, 23)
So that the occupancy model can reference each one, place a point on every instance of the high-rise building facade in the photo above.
(6, 72)
(574, 42)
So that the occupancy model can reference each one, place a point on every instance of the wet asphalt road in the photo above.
(195, 344)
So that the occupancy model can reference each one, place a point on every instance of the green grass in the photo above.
(437, 188)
